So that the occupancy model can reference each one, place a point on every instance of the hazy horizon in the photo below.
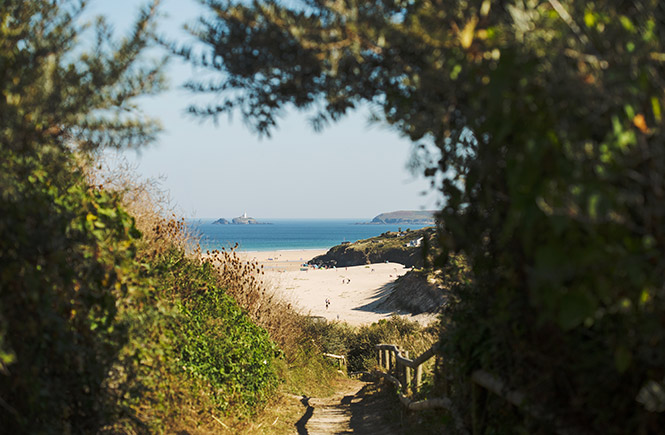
(361, 218)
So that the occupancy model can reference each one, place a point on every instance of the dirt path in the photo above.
(355, 408)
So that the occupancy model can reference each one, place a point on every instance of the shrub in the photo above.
(212, 337)
(357, 343)
(68, 257)
(243, 281)
(96, 321)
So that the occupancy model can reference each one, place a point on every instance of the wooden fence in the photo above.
(341, 360)
(406, 374)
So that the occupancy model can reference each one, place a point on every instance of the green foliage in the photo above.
(212, 338)
(391, 240)
(55, 89)
(101, 327)
(389, 246)
(67, 255)
(307, 372)
(93, 324)
(357, 343)
(548, 118)
(408, 335)
(66, 248)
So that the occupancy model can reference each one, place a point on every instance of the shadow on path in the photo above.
(370, 413)
(357, 409)
(302, 423)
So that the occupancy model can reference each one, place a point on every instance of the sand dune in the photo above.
(352, 291)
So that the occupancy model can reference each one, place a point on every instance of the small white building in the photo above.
(414, 243)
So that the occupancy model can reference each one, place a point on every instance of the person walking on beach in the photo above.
(327, 303)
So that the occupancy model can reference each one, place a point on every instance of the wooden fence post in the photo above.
(401, 371)
(407, 374)
(419, 377)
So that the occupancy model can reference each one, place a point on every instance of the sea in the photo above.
(286, 234)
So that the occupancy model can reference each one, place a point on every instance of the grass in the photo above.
(357, 343)
(285, 408)
(392, 240)
(389, 246)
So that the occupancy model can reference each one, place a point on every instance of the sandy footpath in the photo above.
(351, 290)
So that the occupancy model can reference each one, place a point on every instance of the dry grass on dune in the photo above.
(244, 281)
(182, 399)
(145, 199)
(157, 220)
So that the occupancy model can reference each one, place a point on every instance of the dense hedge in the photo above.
(90, 319)
(67, 257)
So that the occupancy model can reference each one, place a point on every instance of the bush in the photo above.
(357, 343)
(67, 252)
(96, 319)
(243, 280)
(213, 339)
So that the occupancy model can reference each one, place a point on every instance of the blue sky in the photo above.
(349, 170)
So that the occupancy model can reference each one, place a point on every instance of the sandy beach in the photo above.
(351, 290)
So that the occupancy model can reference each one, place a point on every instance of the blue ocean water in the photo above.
(287, 234)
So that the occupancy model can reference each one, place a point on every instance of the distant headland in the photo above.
(403, 217)
(240, 220)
